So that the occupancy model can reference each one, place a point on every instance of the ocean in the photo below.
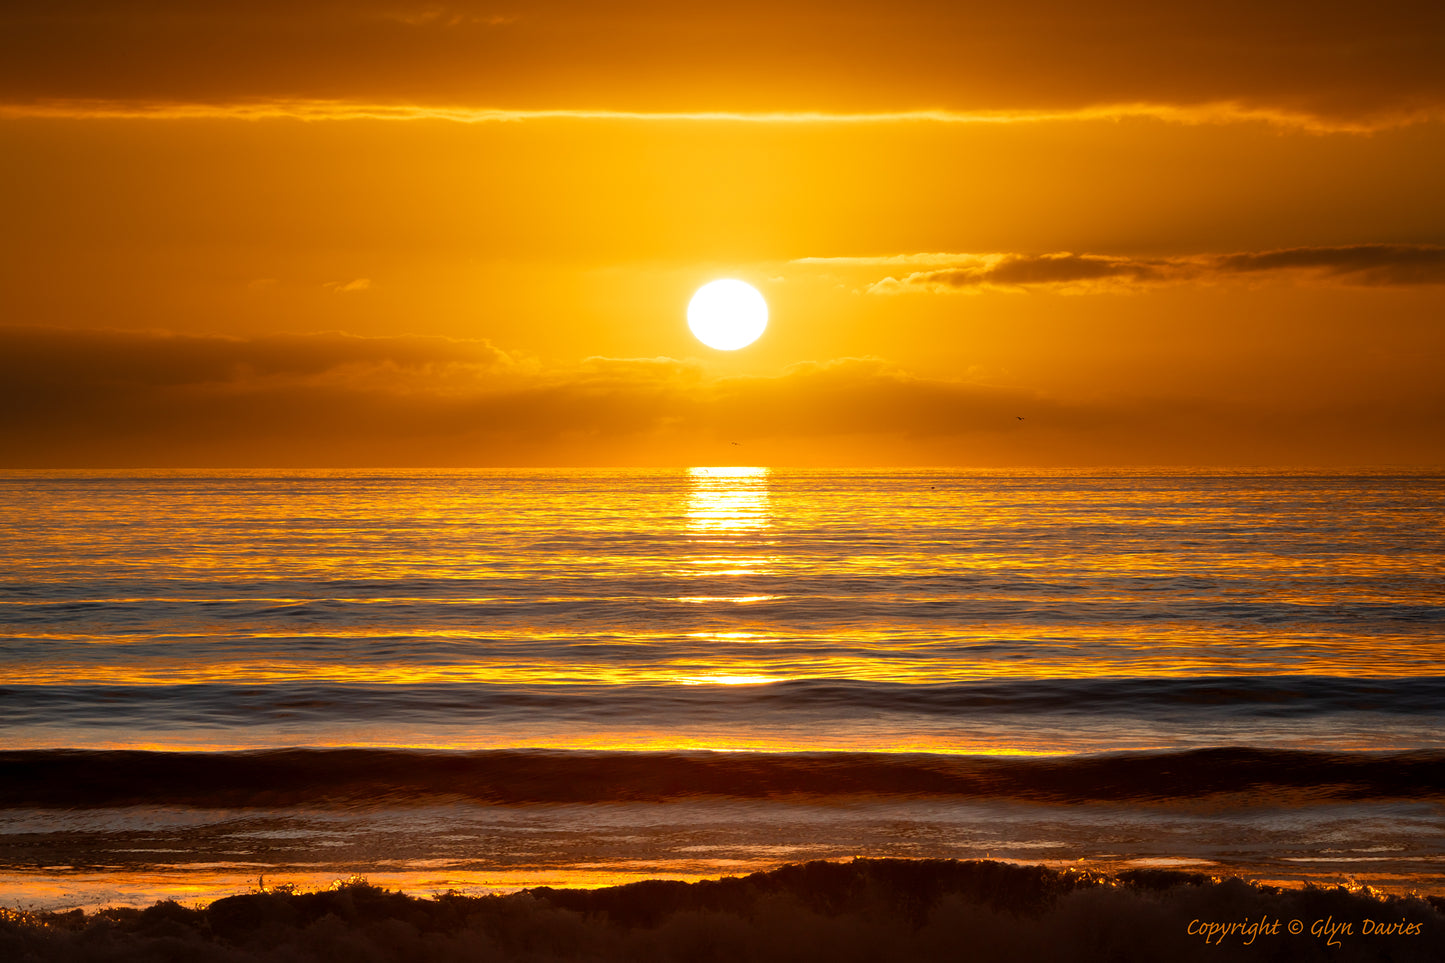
(480, 681)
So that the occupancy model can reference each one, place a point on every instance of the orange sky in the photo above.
(426, 234)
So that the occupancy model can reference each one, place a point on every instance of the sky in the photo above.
(391, 234)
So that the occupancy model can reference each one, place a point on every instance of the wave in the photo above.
(783, 602)
(73, 778)
(243, 704)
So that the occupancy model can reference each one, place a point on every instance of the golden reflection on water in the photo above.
(730, 680)
(717, 576)
(728, 523)
(729, 514)
(725, 502)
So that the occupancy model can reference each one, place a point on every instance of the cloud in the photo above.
(318, 110)
(436, 14)
(1370, 264)
(1361, 264)
(104, 398)
(1017, 271)
(59, 366)
(77, 396)
(1337, 66)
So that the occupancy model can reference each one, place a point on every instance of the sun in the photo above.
(727, 314)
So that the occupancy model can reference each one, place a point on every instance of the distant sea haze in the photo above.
(298, 673)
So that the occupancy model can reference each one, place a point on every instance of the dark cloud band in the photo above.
(1363, 264)
(1385, 59)
(101, 399)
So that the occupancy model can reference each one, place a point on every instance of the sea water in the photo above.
(482, 680)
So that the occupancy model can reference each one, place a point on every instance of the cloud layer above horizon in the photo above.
(128, 399)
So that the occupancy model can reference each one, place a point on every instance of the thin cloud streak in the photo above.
(340, 111)
(1368, 265)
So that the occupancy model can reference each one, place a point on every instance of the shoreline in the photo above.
(97, 828)
(875, 909)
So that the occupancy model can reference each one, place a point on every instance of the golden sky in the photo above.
(392, 234)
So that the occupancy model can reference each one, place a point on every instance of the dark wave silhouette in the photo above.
(91, 778)
(873, 910)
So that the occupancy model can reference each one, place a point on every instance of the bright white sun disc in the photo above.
(727, 314)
